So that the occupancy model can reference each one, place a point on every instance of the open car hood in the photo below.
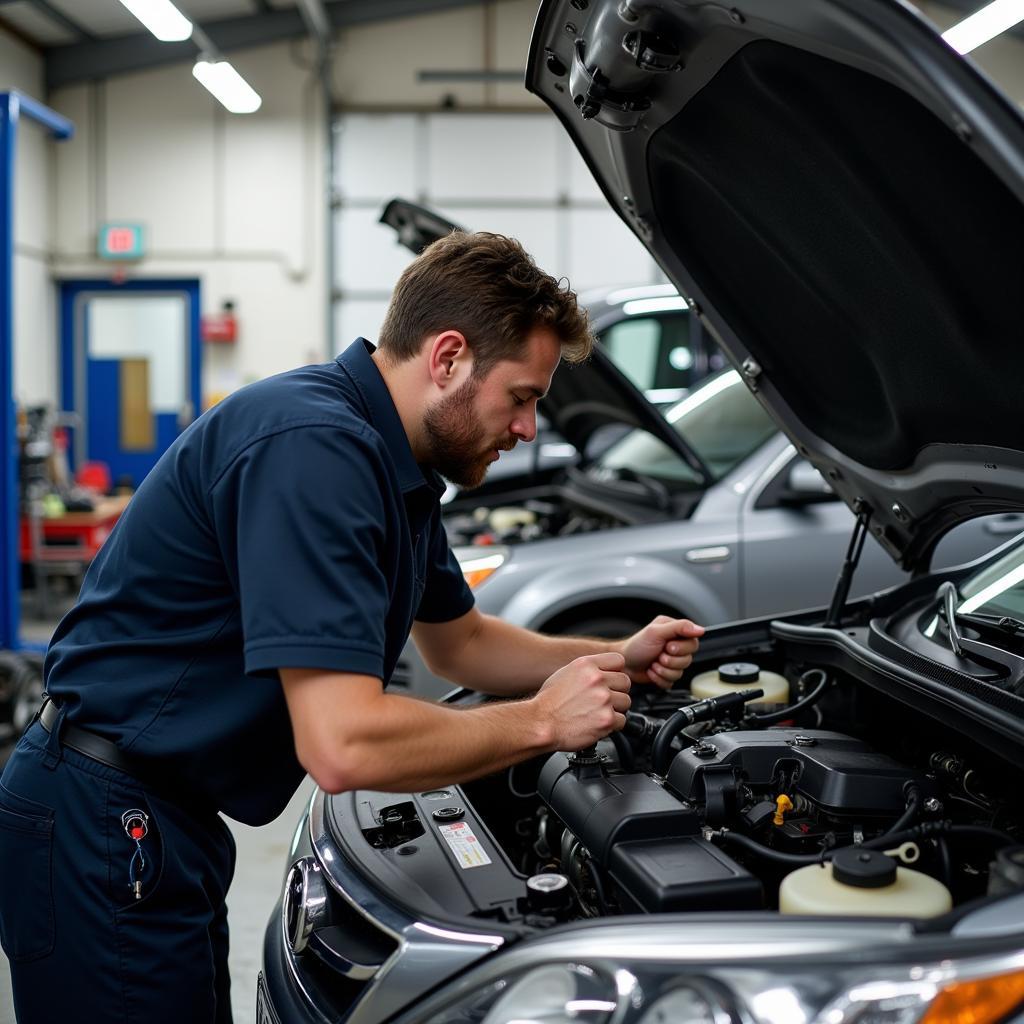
(582, 399)
(585, 398)
(416, 226)
(839, 194)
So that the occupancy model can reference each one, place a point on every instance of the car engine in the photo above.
(707, 805)
(534, 519)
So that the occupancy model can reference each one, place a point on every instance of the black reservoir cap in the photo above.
(863, 869)
(739, 672)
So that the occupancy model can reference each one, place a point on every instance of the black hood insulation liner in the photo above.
(859, 248)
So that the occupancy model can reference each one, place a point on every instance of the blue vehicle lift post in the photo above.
(13, 107)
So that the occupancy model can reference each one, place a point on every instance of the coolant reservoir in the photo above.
(504, 519)
(863, 882)
(741, 675)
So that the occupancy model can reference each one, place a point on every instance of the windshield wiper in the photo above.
(1004, 623)
(948, 596)
(964, 647)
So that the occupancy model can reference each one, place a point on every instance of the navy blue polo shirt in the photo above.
(289, 527)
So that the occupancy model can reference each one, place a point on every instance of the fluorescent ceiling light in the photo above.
(227, 85)
(983, 25)
(162, 18)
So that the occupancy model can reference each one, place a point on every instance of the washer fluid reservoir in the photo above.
(741, 675)
(863, 882)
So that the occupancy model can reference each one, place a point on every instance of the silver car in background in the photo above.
(766, 535)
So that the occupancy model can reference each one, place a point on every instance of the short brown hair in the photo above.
(489, 288)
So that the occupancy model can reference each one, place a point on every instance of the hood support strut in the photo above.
(853, 552)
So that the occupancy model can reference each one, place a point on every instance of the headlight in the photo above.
(478, 564)
(551, 994)
(636, 976)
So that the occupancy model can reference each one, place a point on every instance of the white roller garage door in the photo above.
(514, 173)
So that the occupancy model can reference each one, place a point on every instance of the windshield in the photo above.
(721, 421)
(997, 590)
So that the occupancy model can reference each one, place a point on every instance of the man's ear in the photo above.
(449, 359)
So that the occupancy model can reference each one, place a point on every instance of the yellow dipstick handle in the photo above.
(782, 805)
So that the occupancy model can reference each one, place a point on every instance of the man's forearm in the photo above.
(416, 745)
(349, 734)
(502, 659)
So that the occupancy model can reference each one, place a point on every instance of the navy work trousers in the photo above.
(81, 946)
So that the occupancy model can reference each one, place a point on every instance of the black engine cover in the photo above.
(646, 838)
(602, 810)
(839, 774)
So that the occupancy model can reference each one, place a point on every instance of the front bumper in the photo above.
(320, 984)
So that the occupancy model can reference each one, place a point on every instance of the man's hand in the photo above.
(585, 700)
(662, 651)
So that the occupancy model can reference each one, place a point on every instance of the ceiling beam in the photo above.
(63, 20)
(103, 58)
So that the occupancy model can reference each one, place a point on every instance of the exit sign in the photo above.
(121, 242)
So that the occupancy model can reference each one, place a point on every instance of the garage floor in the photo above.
(258, 876)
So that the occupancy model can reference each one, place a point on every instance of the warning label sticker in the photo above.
(466, 847)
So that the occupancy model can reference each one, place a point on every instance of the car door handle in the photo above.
(1012, 522)
(720, 553)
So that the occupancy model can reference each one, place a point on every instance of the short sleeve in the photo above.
(446, 595)
(301, 520)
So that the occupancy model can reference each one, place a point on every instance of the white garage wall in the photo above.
(235, 201)
(496, 35)
(35, 365)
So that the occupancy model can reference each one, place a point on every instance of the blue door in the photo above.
(130, 370)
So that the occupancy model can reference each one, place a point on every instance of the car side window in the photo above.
(797, 484)
(654, 352)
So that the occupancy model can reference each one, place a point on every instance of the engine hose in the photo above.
(595, 878)
(627, 762)
(661, 750)
(795, 860)
(946, 861)
(770, 717)
(907, 817)
(928, 830)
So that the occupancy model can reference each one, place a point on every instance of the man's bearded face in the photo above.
(460, 449)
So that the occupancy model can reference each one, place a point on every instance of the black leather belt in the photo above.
(88, 743)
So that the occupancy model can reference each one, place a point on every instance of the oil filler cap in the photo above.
(739, 672)
(548, 893)
(452, 813)
(863, 869)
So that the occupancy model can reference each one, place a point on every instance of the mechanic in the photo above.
(239, 627)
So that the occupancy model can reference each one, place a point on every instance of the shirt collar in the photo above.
(356, 361)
